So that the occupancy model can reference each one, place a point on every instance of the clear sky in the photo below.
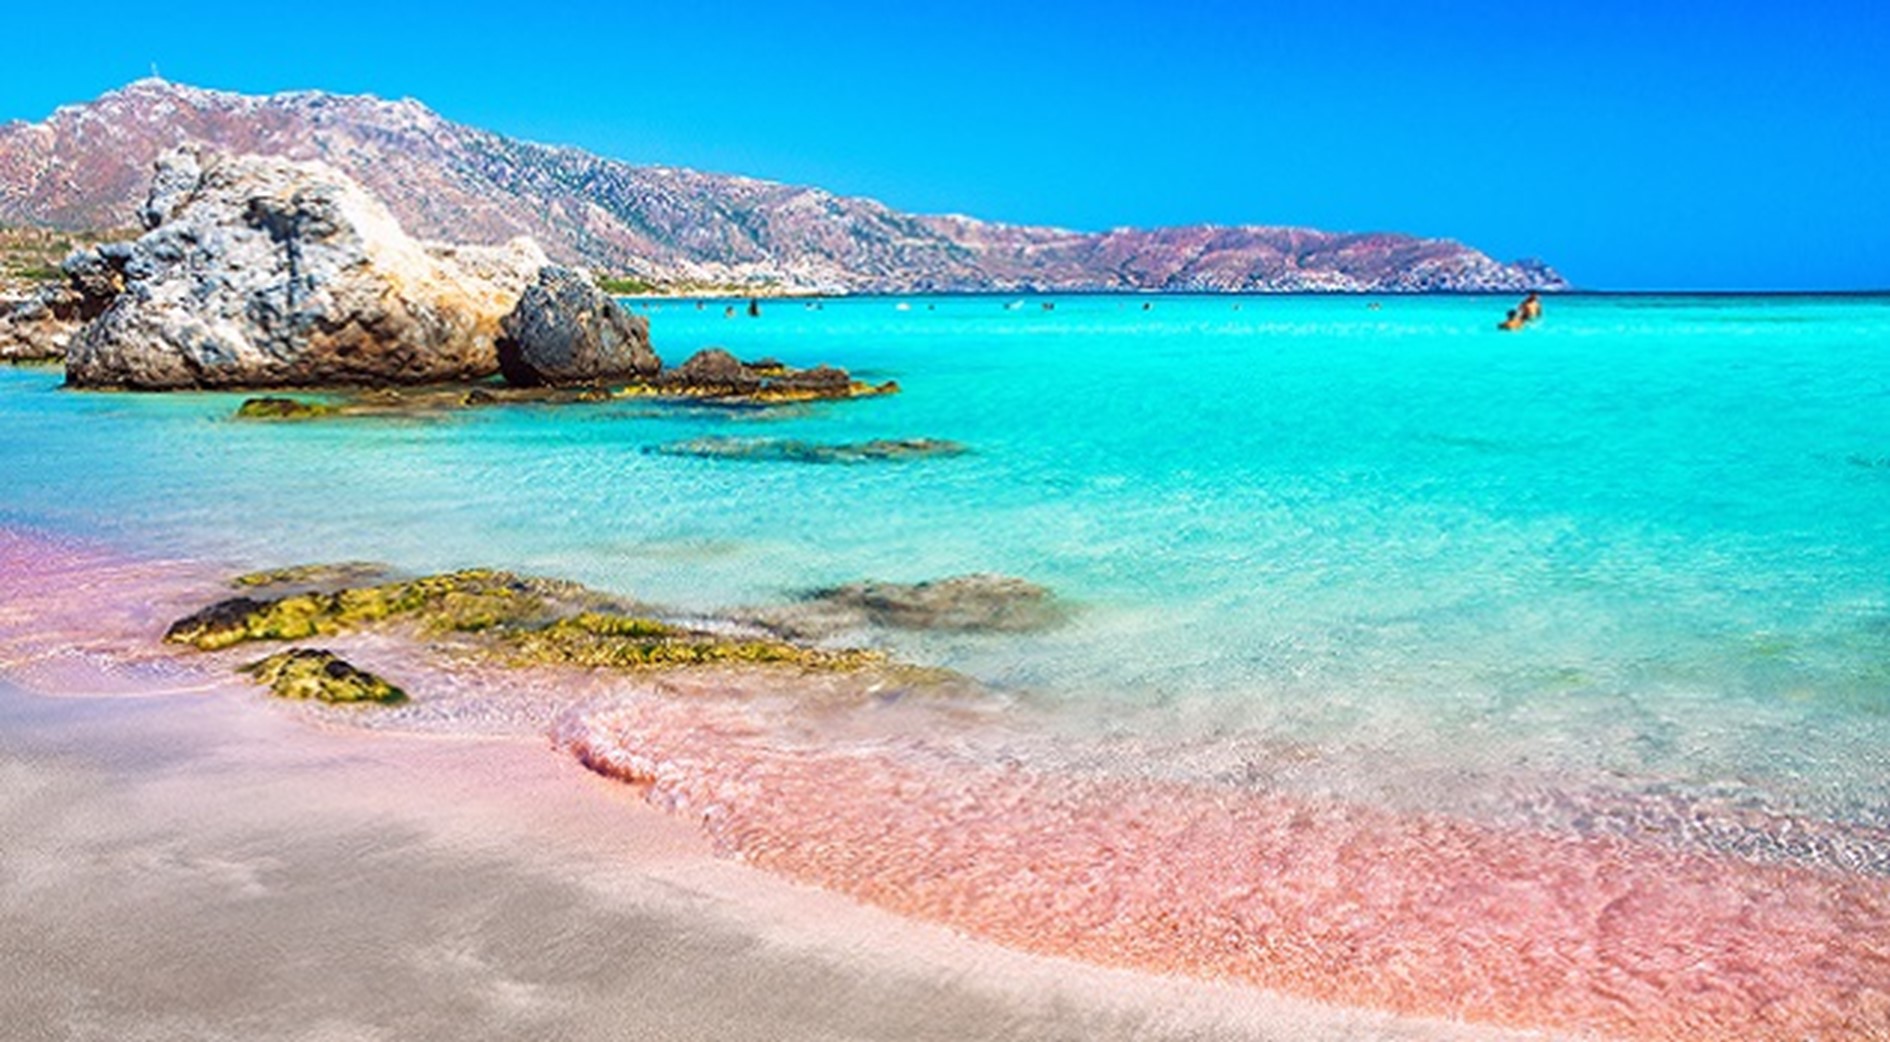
(1731, 145)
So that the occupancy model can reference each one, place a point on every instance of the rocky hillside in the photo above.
(30, 256)
(87, 166)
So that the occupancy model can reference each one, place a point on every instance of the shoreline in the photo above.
(178, 832)
(920, 839)
(200, 861)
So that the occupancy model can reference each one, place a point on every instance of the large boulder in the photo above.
(565, 330)
(258, 271)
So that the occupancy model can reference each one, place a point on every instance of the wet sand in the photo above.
(188, 858)
(205, 866)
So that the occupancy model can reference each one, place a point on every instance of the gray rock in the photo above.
(95, 278)
(565, 330)
(965, 604)
(41, 327)
(788, 450)
(824, 379)
(713, 370)
(713, 374)
(258, 271)
(31, 331)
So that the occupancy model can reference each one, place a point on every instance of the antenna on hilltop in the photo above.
(154, 73)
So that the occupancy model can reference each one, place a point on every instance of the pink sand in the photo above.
(1419, 915)
(1415, 914)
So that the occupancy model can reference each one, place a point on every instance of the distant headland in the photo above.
(87, 166)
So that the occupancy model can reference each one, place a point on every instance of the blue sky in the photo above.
(1634, 145)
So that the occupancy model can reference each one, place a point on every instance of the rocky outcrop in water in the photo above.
(305, 578)
(312, 674)
(258, 271)
(516, 620)
(567, 331)
(271, 408)
(713, 370)
(714, 374)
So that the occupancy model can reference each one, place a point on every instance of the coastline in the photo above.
(168, 808)
(188, 860)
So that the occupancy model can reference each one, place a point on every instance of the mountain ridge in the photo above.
(87, 165)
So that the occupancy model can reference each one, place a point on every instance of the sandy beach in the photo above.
(204, 866)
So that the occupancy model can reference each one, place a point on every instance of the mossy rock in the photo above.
(610, 641)
(787, 394)
(311, 674)
(283, 409)
(520, 621)
(338, 574)
(464, 601)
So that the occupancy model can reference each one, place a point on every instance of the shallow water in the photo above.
(1613, 592)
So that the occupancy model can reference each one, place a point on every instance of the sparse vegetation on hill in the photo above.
(29, 256)
(636, 286)
(624, 286)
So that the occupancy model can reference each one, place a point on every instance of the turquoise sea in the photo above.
(1537, 677)
(1647, 539)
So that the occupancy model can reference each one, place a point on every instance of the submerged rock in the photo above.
(966, 604)
(567, 331)
(338, 574)
(465, 601)
(220, 625)
(792, 451)
(314, 675)
(616, 641)
(261, 271)
(518, 620)
(283, 409)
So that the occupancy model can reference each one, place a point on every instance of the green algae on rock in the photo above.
(614, 641)
(312, 674)
(518, 620)
(470, 600)
(337, 574)
(271, 408)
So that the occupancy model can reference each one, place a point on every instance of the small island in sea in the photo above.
(453, 586)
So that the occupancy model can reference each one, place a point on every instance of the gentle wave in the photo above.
(1643, 917)
(1419, 914)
